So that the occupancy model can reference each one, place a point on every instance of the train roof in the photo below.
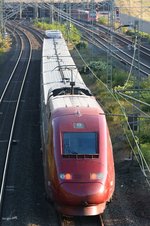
(58, 68)
(53, 34)
(75, 101)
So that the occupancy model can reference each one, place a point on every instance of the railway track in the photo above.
(120, 53)
(27, 26)
(104, 33)
(10, 100)
(116, 45)
(124, 40)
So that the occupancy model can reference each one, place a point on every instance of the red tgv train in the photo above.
(77, 150)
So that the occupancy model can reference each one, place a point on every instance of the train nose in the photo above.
(83, 194)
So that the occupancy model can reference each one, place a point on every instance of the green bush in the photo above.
(99, 68)
(70, 33)
(4, 44)
(103, 20)
(141, 34)
(145, 96)
(82, 45)
(146, 151)
(119, 77)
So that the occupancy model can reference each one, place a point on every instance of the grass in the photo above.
(4, 44)
(146, 153)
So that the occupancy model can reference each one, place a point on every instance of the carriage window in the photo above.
(77, 143)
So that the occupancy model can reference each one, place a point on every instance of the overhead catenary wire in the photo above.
(110, 92)
(77, 23)
(137, 146)
(115, 55)
(132, 63)
(133, 98)
(133, 105)
(143, 164)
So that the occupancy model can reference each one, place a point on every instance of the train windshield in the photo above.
(80, 143)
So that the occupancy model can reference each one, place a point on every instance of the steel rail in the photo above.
(36, 32)
(116, 49)
(104, 28)
(13, 72)
(122, 38)
(12, 130)
(115, 54)
(82, 26)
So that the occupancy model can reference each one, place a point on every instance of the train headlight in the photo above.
(96, 176)
(102, 189)
(65, 176)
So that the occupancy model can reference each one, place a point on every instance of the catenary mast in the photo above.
(1, 18)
